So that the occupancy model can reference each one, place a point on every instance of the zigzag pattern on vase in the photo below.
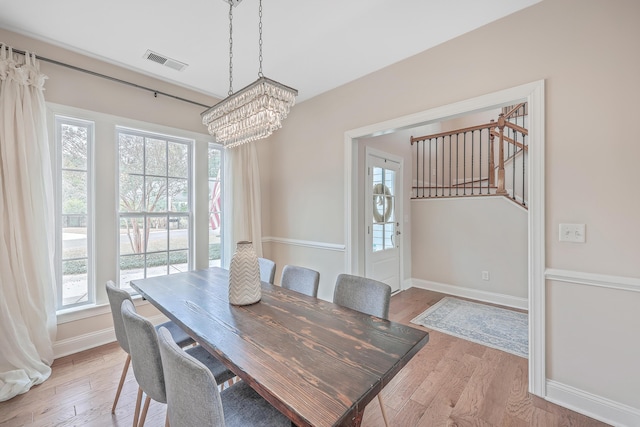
(244, 276)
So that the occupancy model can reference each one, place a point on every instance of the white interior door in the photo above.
(382, 209)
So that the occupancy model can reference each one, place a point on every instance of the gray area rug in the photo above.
(495, 327)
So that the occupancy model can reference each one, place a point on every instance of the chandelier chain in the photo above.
(260, 39)
(253, 112)
(230, 48)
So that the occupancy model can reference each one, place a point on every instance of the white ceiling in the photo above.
(311, 45)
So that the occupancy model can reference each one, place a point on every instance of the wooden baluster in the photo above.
(492, 155)
(501, 189)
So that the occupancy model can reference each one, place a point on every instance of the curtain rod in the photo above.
(114, 79)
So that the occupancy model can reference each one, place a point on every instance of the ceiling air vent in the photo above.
(163, 60)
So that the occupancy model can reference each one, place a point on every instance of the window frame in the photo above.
(145, 214)
(59, 120)
(104, 198)
(221, 181)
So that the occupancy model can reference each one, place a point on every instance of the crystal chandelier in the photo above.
(253, 112)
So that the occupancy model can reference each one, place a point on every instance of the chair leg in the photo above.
(137, 411)
(384, 412)
(122, 377)
(166, 420)
(143, 416)
(229, 383)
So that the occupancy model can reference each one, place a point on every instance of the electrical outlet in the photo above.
(572, 233)
(485, 275)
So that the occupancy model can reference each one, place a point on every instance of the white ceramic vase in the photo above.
(244, 276)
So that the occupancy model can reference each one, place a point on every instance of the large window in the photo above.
(215, 204)
(126, 195)
(155, 209)
(74, 236)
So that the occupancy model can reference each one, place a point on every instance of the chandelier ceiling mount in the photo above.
(253, 112)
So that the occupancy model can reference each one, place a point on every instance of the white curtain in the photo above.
(242, 214)
(27, 305)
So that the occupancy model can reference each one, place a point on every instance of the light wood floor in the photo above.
(450, 382)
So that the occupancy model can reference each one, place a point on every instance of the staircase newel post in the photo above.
(501, 124)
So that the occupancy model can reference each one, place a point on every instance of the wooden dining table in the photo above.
(317, 362)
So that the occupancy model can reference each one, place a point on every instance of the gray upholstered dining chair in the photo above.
(147, 364)
(366, 296)
(194, 400)
(363, 294)
(300, 279)
(116, 297)
(267, 270)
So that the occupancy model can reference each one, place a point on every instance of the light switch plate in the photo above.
(572, 233)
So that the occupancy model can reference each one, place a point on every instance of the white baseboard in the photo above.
(480, 295)
(83, 342)
(591, 405)
(94, 339)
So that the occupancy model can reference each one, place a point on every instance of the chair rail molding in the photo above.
(590, 279)
(305, 243)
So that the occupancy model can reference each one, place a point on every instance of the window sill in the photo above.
(84, 312)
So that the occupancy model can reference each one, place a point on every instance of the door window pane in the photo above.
(383, 208)
(378, 237)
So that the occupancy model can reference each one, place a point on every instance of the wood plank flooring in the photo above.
(450, 382)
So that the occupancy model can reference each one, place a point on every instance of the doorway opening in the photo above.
(533, 94)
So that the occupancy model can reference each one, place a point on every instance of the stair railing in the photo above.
(462, 162)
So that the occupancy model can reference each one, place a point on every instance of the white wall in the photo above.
(456, 239)
(588, 353)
